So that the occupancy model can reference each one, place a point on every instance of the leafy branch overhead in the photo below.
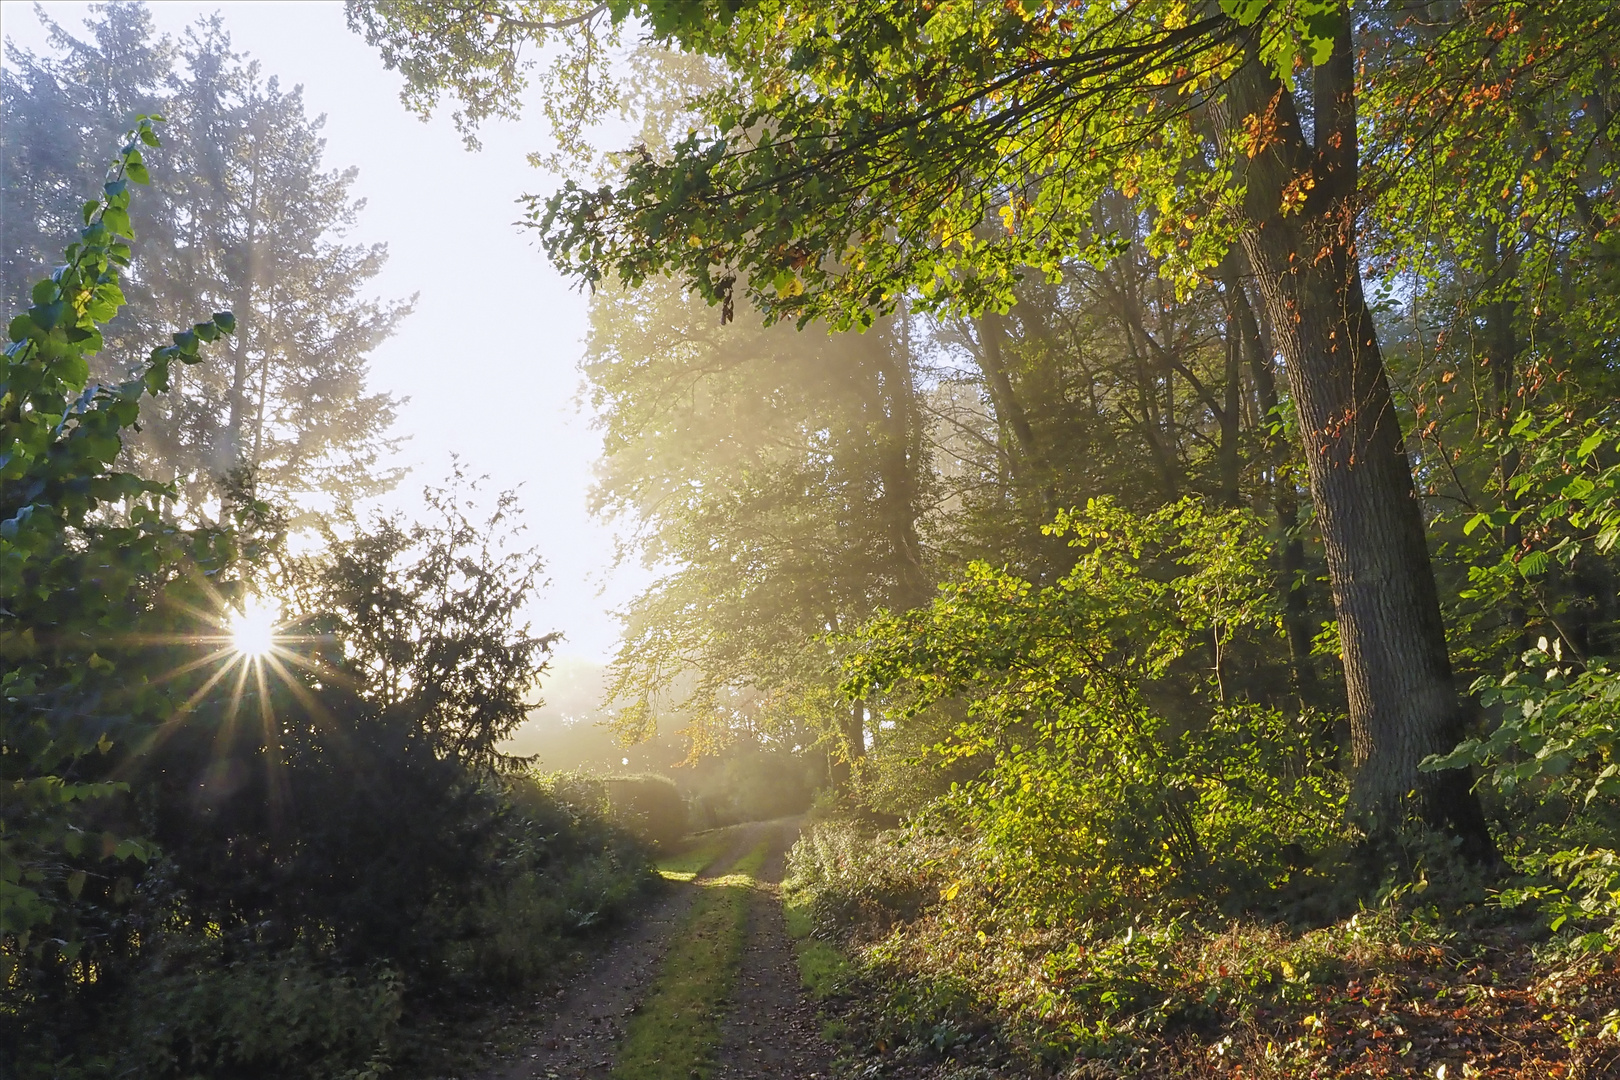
(869, 161)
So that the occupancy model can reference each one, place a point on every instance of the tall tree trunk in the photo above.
(1284, 503)
(231, 456)
(899, 464)
(1403, 704)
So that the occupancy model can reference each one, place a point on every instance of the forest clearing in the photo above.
(810, 539)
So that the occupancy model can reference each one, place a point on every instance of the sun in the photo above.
(253, 629)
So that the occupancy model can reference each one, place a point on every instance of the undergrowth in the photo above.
(926, 959)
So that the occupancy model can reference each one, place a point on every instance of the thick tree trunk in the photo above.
(1403, 704)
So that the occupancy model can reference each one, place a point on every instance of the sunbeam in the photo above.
(253, 628)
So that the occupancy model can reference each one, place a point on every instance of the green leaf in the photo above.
(46, 316)
(1244, 11)
(1533, 564)
(1591, 443)
(225, 321)
(117, 221)
(73, 370)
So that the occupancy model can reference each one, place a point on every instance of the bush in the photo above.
(198, 1013)
(648, 805)
(1087, 796)
(564, 870)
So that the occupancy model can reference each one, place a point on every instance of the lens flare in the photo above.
(253, 629)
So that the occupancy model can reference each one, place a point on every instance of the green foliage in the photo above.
(1090, 797)
(199, 1012)
(948, 113)
(474, 52)
(939, 961)
(779, 476)
(649, 805)
(86, 555)
(1551, 748)
(185, 890)
(564, 870)
(1554, 745)
(426, 614)
(1563, 497)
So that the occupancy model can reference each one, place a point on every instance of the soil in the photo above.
(772, 1029)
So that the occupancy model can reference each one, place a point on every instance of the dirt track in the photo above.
(770, 1029)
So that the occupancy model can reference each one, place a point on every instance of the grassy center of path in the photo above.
(676, 1031)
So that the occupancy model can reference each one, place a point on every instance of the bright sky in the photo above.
(489, 358)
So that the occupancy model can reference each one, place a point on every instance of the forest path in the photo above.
(774, 1030)
(603, 1025)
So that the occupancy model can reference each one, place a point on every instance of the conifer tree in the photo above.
(246, 216)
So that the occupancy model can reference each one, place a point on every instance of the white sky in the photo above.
(489, 358)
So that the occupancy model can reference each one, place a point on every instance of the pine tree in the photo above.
(246, 217)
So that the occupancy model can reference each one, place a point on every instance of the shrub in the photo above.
(564, 870)
(648, 805)
(1088, 798)
(196, 1012)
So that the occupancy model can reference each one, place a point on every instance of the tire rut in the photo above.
(774, 1030)
(574, 1034)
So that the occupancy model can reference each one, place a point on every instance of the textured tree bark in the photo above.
(1300, 240)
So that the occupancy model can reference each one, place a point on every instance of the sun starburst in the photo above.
(253, 628)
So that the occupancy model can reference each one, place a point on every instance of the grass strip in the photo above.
(688, 864)
(823, 968)
(676, 1031)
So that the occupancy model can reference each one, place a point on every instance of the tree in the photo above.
(950, 117)
(246, 216)
(424, 620)
(780, 477)
(88, 566)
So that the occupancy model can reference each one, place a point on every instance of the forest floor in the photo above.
(708, 984)
(703, 985)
